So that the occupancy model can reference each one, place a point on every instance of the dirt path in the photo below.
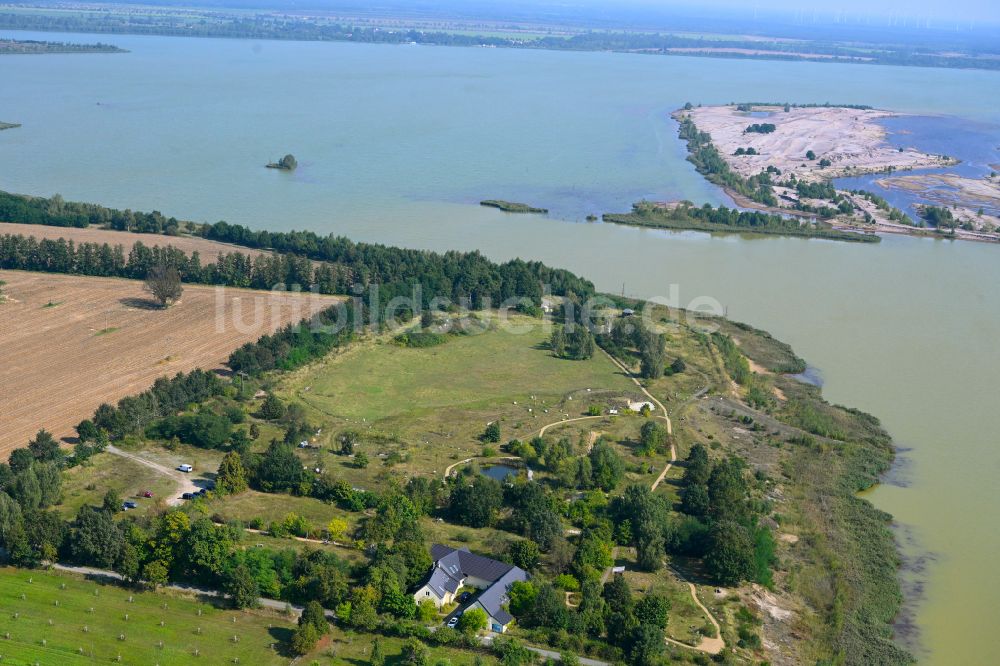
(555, 423)
(665, 417)
(185, 484)
(709, 645)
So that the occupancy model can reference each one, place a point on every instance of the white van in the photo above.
(185, 468)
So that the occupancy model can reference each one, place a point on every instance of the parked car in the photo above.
(465, 596)
(185, 468)
(128, 505)
(187, 496)
(147, 493)
(453, 622)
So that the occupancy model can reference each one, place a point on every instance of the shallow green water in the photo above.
(396, 144)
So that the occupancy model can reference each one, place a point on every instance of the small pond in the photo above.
(500, 472)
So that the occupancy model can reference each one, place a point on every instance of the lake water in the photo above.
(499, 472)
(397, 144)
(976, 143)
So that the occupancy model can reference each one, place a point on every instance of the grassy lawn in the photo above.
(486, 540)
(354, 649)
(418, 410)
(53, 622)
(685, 617)
(87, 483)
(268, 507)
(204, 461)
(477, 370)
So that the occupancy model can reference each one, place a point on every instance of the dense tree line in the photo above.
(57, 212)
(607, 617)
(711, 164)
(460, 276)
(601, 467)
(815, 190)
(938, 217)
(30, 483)
(707, 218)
(295, 345)
(463, 277)
(18, 252)
(134, 413)
(726, 519)
(34, 46)
(574, 342)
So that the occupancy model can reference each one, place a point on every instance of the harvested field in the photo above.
(69, 343)
(208, 249)
(850, 138)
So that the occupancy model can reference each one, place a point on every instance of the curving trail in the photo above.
(577, 418)
(709, 645)
(665, 417)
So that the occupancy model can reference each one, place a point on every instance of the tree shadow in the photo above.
(141, 303)
(283, 637)
(691, 569)
(204, 482)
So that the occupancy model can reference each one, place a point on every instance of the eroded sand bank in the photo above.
(850, 139)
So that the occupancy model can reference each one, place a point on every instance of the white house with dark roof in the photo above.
(455, 568)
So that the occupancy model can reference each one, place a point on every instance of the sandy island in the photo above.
(843, 142)
(849, 138)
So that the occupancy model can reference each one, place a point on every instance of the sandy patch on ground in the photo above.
(208, 249)
(768, 603)
(69, 343)
(849, 138)
(788, 538)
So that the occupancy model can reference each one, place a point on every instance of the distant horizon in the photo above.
(914, 14)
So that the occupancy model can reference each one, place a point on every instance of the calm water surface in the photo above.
(397, 144)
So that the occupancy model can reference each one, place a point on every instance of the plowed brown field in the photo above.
(208, 249)
(69, 343)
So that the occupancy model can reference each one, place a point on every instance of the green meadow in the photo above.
(60, 618)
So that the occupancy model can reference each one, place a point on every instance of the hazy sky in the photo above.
(981, 10)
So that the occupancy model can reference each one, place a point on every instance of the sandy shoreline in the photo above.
(851, 139)
(802, 146)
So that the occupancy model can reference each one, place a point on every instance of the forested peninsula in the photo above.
(768, 462)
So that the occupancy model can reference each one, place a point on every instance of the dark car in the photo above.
(465, 596)
(128, 505)
(187, 496)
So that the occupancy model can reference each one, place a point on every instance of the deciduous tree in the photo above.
(164, 283)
